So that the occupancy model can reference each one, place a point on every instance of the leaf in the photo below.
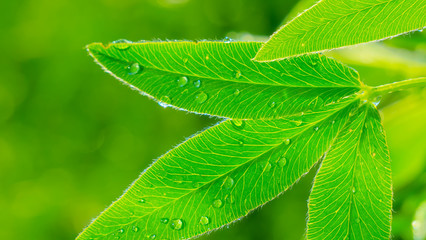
(352, 194)
(333, 24)
(219, 78)
(218, 176)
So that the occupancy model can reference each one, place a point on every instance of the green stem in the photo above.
(398, 86)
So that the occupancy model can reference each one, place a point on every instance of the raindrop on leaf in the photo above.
(204, 220)
(176, 224)
(134, 68)
(217, 203)
(228, 182)
(164, 220)
(201, 97)
(182, 81)
(197, 83)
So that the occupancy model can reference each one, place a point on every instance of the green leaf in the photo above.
(333, 24)
(219, 175)
(352, 194)
(219, 78)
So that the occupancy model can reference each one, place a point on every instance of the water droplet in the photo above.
(297, 122)
(133, 68)
(287, 141)
(236, 92)
(204, 220)
(241, 143)
(333, 122)
(272, 104)
(152, 236)
(316, 128)
(197, 83)
(207, 57)
(353, 189)
(268, 167)
(141, 200)
(217, 203)
(377, 100)
(166, 99)
(282, 162)
(121, 44)
(120, 230)
(238, 123)
(373, 154)
(182, 81)
(135, 229)
(227, 39)
(230, 198)
(164, 220)
(201, 97)
(176, 224)
(228, 182)
(237, 74)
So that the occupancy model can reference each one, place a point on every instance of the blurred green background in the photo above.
(72, 138)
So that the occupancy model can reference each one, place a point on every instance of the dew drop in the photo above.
(197, 83)
(166, 99)
(164, 220)
(152, 236)
(134, 68)
(141, 200)
(228, 183)
(238, 123)
(316, 128)
(217, 203)
(353, 189)
(282, 162)
(373, 154)
(241, 143)
(120, 230)
(227, 39)
(201, 97)
(298, 122)
(176, 224)
(204, 220)
(121, 44)
(230, 198)
(182, 81)
(333, 122)
(135, 229)
(287, 141)
(237, 74)
(272, 104)
(207, 57)
(268, 167)
(236, 92)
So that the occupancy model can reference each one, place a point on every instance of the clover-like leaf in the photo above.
(333, 24)
(218, 176)
(352, 194)
(219, 78)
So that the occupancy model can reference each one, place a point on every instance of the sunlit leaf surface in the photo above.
(337, 23)
(352, 193)
(219, 78)
(218, 176)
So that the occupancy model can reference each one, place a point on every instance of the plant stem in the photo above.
(398, 86)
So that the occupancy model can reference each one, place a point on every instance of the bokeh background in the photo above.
(72, 138)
